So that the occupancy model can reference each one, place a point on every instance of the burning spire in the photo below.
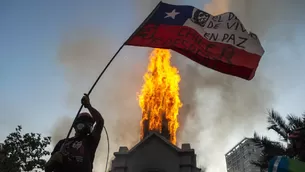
(159, 98)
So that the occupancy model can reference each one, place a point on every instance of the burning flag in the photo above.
(217, 42)
(159, 97)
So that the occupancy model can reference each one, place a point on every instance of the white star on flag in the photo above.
(172, 14)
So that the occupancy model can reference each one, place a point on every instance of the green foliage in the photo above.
(282, 126)
(24, 152)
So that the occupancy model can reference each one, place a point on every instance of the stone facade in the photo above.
(155, 154)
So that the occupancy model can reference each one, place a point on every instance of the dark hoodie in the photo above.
(78, 152)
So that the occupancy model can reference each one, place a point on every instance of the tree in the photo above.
(24, 152)
(277, 148)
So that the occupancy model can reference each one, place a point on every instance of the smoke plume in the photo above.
(218, 111)
(83, 58)
(240, 104)
(61, 128)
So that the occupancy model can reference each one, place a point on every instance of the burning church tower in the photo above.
(160, 103)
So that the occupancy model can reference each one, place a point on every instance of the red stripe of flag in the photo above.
(221, 57)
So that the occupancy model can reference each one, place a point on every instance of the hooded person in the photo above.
(77, 153)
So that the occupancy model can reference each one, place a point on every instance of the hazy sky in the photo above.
(32, 82)
(35, 82)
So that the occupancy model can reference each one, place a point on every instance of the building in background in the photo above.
(239, 158)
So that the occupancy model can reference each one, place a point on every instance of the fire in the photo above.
(159, 98)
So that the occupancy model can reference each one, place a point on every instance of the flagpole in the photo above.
(108, 64)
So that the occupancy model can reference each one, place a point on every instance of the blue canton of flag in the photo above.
(172, 14)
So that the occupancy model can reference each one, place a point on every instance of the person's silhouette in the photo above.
(77, 153)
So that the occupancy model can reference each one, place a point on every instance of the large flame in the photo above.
(160, 94)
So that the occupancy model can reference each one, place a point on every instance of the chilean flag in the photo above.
(217, 42)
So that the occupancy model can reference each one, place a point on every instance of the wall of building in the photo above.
(240, 157)
(153, 154)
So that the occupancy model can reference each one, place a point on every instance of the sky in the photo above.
(31, 78)
(52, 51)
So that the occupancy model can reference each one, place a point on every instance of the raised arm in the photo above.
(99, 120)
